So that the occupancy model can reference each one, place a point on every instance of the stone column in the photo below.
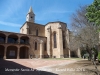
(5, 52)
(6, 40)
(67, 43)
(69, 53)
(18, 51)
(60, 42)
(48, 41)
(67, 36)
(79, 53)
(41, 49)
(18, 40)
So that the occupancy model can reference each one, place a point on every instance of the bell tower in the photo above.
(30, 17)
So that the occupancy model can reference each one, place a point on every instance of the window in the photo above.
(36, 32)
(35, 45)
(2, 39)
(63, 37)
(45, 47)
(12, 40)
(31, 17)
(55, 42)
(22, 41)
(64, 42)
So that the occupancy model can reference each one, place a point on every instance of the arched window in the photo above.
(64, 42)
(55, 40)
(36, 32)
(35, 45)
(12, 40)
(63, 38)
(45, 47)
(2, 39)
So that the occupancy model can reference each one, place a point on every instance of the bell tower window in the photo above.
(31, 17)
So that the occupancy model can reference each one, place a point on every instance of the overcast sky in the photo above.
(13, 12)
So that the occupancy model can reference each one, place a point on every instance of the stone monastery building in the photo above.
(35, 40)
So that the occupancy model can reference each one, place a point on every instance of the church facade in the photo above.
(36, 40)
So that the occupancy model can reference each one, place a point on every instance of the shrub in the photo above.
(83, 52)
(99, 56)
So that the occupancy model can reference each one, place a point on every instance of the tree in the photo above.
(85, 32)
(93, 12)
(73, 43)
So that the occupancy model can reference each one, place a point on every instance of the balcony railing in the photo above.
(2, 41)
(14, 42)
(24, 43)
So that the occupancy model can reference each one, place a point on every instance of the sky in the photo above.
(13, 12)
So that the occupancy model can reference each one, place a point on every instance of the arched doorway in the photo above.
(1, 51)
(24, 52)
(11, 52)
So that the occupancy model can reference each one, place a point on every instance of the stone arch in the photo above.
(12, 38)
(2, 51)
(2, 38)
(3, 33)
(36, 40)
(11, 52)
(24, 52)
(54, 32)
(25, 46)
(24, 40)
(37, 28)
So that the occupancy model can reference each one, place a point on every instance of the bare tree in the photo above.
(85, 33)
(73, 42)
